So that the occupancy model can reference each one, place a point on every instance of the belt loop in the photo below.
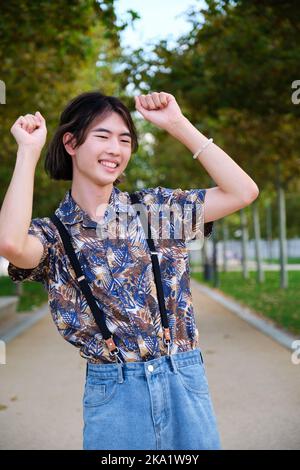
(173, 364)
(201, 357)
(120, 372)
(86, 370)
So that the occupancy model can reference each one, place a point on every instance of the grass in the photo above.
(267, 299)
(276, 260)
(34, 293)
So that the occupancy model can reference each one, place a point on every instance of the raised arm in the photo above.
(235, 188)
(16, 244)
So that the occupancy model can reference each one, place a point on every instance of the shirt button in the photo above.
(150, 368)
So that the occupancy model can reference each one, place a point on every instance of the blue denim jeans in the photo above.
(163, 403)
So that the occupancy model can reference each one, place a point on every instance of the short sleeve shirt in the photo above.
(117, 264)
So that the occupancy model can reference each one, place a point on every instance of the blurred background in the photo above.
(233, 66)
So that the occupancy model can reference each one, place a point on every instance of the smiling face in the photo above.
(105, 153)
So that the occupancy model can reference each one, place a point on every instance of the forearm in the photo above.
(16, 210)
(223, 170)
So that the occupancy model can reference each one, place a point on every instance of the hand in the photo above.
(160, 109)
(30, 131)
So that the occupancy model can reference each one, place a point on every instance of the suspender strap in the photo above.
(98, 314)
(155, 265)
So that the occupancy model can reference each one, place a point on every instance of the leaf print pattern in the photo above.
(119, 271)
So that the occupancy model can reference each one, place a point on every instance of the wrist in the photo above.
(28, 153)
(175, 127)
(186, 133)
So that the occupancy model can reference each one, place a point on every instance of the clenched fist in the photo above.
(30, 131)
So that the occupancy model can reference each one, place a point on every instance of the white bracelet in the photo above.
(202, 148)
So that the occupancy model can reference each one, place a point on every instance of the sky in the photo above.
(160, 19)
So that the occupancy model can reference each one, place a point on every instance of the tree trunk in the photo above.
(207, 263)
(282, 230)
(244, 243)
(225, 239)
(216, 282)
(259, 272)
(269, 229)
(19, 289)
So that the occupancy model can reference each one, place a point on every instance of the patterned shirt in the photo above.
(120, 275)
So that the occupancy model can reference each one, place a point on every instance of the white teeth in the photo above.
(109, 164)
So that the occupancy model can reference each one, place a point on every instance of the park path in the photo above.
(253, 383)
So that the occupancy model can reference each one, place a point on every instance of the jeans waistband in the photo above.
(153, 366)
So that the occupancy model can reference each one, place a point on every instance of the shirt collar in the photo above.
(69, 212)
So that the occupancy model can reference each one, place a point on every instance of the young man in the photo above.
(146, 386)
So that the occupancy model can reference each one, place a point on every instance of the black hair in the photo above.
(77, 118)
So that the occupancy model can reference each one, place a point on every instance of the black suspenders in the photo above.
(97, 312)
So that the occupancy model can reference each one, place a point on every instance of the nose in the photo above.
(113, 146)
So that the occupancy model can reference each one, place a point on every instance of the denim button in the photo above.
(150, 368)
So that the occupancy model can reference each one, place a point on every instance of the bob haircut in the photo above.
(77, 118)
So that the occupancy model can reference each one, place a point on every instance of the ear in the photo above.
(69, 143)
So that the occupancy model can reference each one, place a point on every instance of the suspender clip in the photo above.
(113, 349)
(167, 339)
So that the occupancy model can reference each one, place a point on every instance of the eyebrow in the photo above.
(101, 129)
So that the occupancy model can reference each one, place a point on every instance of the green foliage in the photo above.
(51, 52)
(232, 76)
(34, 294)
